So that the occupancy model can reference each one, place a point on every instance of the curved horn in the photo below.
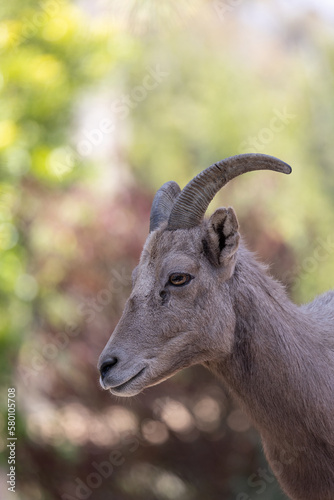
(191, 205)
(163, 203)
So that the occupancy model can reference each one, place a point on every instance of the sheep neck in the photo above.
(276, 365)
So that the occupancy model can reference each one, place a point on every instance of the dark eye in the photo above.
(179, 279)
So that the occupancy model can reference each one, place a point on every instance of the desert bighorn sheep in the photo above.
(200, 297)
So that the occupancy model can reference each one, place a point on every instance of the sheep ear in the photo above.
(223, 237)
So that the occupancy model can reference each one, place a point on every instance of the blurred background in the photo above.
(101, 103)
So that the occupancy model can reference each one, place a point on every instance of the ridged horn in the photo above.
(163, 203)
(192, 203)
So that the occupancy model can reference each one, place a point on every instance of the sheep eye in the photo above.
(179, 279)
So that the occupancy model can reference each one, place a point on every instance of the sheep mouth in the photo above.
(125, 385)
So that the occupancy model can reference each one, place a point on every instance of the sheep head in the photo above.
(180, 311)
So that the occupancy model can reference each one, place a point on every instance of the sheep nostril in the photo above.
(106, 366)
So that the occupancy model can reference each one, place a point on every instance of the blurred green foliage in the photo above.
(101, 104)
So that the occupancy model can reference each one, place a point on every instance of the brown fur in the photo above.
(277, 358)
